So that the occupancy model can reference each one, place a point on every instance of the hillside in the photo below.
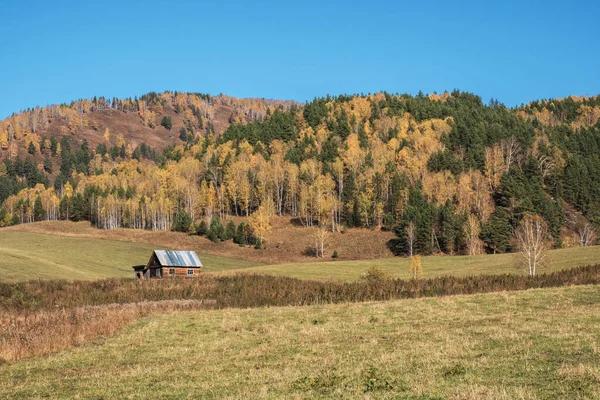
(28, 256)
(290, 243)
(129, 122)
(433, 266)
(538, 344)
(45, 250)
(447, 174)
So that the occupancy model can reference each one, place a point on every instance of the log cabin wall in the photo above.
(180, 272)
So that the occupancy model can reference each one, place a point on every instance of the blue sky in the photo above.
(57, 51)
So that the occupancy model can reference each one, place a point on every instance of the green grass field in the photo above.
(432, 266)
(25, 256)
(536, 344)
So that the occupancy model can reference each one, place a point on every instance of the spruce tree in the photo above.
(229, 231)
(202, 229)
(240, 234)
(38, 209)
(216, 231)
(167, 123)
(182, 222)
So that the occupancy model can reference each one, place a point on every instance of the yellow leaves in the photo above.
(106, 135)
(260, 220)
(473, 195)
(35, 139)
(441, 97)
(494, 165)
(440, 125)
(148, 118)
(365, 201)
(439, 186)
(321, 136)
(472, 229)
(324, 192)
(416, 269)
(4, 139)
(588, 115)
(354, 156)
(358, 108)
(120, 140)
(311, 169)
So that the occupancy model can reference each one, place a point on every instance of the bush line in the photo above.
(250, 290)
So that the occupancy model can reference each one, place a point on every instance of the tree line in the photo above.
(448, 173)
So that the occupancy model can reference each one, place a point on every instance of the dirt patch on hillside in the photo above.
(287, 242)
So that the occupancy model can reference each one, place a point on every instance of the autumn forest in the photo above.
(447, 173)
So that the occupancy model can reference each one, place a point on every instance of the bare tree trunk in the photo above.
(411, 232)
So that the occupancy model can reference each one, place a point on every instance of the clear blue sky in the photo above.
(57, 51)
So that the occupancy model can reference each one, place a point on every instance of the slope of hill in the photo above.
(290, 243)
(459, 174)
(538, 344)
(62, 249)
(28, 256)
(433, 266)
(128, 121)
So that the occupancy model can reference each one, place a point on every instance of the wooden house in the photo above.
(170, 263)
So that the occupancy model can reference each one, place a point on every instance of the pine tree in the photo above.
(496, 233)
(229, 231)
(240, 234)
(167, 123)
(202, 229)
(216, 231)
(38, 209)
(182, 222)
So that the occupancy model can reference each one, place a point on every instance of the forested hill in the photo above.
(462, 172)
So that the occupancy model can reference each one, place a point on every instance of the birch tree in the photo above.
(532, 240)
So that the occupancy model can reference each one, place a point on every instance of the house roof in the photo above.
(178, 258)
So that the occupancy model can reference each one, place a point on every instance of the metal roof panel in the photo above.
(178, 258)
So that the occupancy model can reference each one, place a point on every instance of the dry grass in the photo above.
(39, 317)
(25, 334)
(538, 344)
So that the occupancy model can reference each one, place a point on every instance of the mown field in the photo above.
(25, 256)
(433, 266)
(535, 344)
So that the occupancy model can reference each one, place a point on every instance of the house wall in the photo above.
(180, 272)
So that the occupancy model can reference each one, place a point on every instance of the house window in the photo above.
(190, 272)
(172, 271)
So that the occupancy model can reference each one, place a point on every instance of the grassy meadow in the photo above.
(25, 255)
(535, 344)
(433, 266)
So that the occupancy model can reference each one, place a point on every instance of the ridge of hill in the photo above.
(129, 121)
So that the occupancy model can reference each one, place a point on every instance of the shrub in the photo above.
(416, 269)
(240, 234)
(335, 254)
(375, 274)
(201, 229)
(182, 222)
(229, 231)
(253, 290)
(216, 230)
(167, 123)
